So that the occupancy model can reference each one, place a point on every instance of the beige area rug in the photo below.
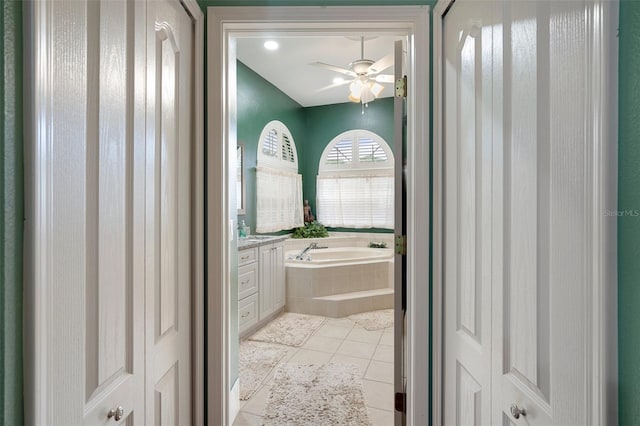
(289, 329)
(256, 360)
(374, 320)
(320, 395)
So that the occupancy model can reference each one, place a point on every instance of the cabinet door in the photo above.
(266, 282)
(278, 276)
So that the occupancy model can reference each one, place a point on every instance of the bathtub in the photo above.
(339, 281)
(323, 257)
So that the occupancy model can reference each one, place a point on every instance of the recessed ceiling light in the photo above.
(271, 45)
(338, 80)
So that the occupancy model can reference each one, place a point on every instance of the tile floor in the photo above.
(340, 340)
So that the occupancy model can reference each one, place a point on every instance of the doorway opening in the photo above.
(234, 24)
(336, 290)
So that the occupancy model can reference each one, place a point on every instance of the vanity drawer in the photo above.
(247, 312)
(247, 256)
(247, 280)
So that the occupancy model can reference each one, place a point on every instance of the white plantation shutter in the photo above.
(355, 187)
(279, 196)
(278, 184)
(355, 201)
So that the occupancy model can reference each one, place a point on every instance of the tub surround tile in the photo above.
(382, 301)
(339, 290)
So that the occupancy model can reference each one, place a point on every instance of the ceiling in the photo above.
(288, 68)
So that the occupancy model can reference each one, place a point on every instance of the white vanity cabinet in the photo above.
(272, 290)
(247, 288)
(261, 283)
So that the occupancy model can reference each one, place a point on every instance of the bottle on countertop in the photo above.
(242, 229)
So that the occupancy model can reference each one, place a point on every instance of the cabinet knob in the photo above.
(516, 411)
(116, 413)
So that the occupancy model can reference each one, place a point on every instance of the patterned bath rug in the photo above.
(374, 320)
(289, 329)
(320, 395)
(256, 360)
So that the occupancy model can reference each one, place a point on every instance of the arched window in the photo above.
(276, 148)
(355, 187)
(278, 184)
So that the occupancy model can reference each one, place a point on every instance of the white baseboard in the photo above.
(234, 402)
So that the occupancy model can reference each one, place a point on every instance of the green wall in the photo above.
(629, 221)
(259, 102)
(312, 128)
(11, 219)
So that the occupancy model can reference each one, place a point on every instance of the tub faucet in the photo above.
(300, 255)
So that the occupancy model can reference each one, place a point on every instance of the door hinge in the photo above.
(401, 245)
(401, 402)
(401, 87)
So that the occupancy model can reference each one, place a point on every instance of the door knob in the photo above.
(516, 411)
(116, 413)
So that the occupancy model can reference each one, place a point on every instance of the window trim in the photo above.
(354, 169)
(355, 166)
(277, 162)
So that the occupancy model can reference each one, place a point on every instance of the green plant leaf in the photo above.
(311, 230)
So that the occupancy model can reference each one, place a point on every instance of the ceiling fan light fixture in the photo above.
(376, 88)
(355, 89)
(367, 95)
(352, 98)
(364, 90)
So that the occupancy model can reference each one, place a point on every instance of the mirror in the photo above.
(240, 196)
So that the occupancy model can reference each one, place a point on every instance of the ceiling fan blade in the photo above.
(334, 68)
(381, 65)
(331, 86)
(384, 78)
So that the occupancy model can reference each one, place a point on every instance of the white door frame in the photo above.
(223, 24)
(601, 290)
(198, 344)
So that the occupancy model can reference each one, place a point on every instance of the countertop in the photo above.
(259, 240)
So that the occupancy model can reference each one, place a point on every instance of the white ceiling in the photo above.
(289, 69)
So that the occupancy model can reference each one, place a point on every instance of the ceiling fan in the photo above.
(365, 84)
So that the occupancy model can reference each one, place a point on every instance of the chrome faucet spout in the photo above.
(311, 246)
